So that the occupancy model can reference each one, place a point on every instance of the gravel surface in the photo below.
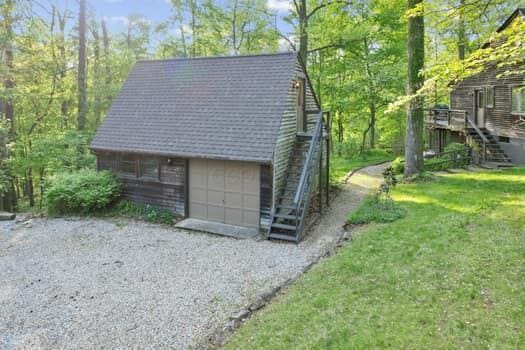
(93, 283)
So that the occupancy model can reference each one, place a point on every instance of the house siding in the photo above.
(288, 130)
(499, 120)
(159, 192)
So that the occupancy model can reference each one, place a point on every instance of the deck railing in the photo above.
(453, 119)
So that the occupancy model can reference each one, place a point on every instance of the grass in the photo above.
(377, 210)
(340, 165)
(449, 275)
(147, 213)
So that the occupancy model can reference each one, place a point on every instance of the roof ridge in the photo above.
(217, 57)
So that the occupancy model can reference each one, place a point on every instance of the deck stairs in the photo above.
(483, 139)
(293, 202)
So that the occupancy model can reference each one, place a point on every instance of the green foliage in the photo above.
(147, 213)
(398, 165)
(447, 276)
(340, 166)
(82, 192)
(455, 147)
(375, 209)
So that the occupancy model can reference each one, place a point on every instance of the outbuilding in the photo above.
(237, 140)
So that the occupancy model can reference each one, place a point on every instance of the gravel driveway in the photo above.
(93, 283)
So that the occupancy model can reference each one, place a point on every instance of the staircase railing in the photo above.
(469, 124)
(302, 195)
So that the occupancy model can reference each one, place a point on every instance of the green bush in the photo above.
(398, 165)
(454, 146)
(374, 209)
(145, 212)
(81, 192)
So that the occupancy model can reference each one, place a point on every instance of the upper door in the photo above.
(480, 108)
(301, 97)
(225, 191)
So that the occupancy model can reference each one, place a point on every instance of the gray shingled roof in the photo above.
(217, 107)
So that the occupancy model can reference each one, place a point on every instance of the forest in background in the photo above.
(60, 67)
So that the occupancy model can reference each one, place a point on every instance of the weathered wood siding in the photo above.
(499, 120)
(266, 196)
(288, 130)
(168, 191)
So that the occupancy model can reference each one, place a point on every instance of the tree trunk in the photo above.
(63, 67)
(7, 199)
(105, 43)
(97, 108)
(81, 77)
(415, 112)
(372, 124)
(462, 37)
(303, 31)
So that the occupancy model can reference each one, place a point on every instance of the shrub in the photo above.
(398, 165)
(145, 212)
(373, 209)
(454, 146)
(347, 149)
(82, 192)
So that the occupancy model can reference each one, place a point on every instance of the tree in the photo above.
(415, 106)
(81, 74)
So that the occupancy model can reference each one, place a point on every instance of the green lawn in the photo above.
(340, 166)
(450, 275)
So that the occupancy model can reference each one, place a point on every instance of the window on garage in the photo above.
(128, 166)
(149, 168)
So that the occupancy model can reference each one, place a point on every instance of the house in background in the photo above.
(487, 112)
(235, 140)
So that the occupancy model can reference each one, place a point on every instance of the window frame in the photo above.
(130, 159)
(141, 174)
(522, 101)
(490, 91)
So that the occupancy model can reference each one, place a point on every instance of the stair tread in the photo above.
(286, 216)
(283, 237)
(284, 226)
(285, 206)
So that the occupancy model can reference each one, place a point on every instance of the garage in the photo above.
(225, 191)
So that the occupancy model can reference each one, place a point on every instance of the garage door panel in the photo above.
(233, 200)
(251, 202)
(234, 216)
(198, 180)
(198, 211)
(199, 166)
(233, 184)
(225, 191)
(234, 169)
(216, 213)
(199, 195)
(251, 218)
(215, 197)
(215, 168)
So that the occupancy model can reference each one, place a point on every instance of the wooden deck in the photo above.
(455, 120)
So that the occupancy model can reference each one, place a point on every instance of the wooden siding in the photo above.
(266, 196)
(288, 131)
(168, 191)
(498, 120)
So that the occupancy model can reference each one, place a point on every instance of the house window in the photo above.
(480, 98)
(128, 166)
(490, 96)
(518, 99)
(149, 168)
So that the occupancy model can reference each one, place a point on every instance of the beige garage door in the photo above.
(225, 191)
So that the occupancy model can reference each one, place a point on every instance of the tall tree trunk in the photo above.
(303, 30)
(81, 77)
(63, 67)
(373, 112)
(7, 199)
(97, 108)
(415, 112)
(462, 37)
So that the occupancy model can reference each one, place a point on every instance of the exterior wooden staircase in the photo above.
(489, 148)
(293, 203)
